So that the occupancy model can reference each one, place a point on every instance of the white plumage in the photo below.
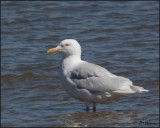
(89, 82)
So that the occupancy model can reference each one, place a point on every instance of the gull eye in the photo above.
(66, 44)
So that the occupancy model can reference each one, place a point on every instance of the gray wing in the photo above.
(97, 79)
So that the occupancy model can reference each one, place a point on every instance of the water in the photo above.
(120, 36)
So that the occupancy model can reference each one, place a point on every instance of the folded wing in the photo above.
(97, 79)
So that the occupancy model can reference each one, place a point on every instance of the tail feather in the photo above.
(138, 89)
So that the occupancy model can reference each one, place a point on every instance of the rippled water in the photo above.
(120, 36)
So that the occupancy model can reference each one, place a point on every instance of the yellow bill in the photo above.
(52, 50)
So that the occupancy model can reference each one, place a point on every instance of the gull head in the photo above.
(67, 47)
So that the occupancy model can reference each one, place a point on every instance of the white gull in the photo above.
(89, 82)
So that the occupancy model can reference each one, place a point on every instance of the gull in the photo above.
(89, 82)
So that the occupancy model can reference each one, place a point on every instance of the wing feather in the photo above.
(97, 79)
